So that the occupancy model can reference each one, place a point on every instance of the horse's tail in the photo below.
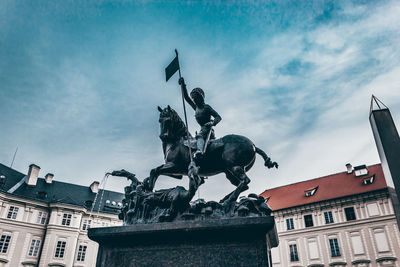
(267, 160)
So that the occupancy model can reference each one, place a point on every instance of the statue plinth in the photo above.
(225, 242)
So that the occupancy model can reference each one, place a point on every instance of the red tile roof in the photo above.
(329, 187)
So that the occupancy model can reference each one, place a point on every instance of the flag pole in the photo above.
(184, 111)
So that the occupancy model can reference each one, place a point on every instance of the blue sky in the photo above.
(81, 80)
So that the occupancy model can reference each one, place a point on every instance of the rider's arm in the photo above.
(217, 117)
(185, 93)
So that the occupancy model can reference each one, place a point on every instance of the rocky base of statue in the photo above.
(142, 205)
(243, 241)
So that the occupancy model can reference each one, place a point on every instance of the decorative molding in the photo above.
(338, 263)
(381, 259)
(2, 260)
(360, 261)
(33, 263)
(57, 265)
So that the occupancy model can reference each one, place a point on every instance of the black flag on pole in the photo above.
(172, 67)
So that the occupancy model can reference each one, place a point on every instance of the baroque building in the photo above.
(44, 222)
(343, 219)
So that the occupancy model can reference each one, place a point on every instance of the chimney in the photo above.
(2, 181)
(32, 176)
(95, 187)
(49, 178)
(349, 168)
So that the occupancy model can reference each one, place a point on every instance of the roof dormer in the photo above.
(360, 170)
(368, 180)
(311, 191)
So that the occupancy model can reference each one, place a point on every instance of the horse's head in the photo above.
(171, 125)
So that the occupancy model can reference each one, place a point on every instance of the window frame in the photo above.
(328, 215)
(357, 251)
(5, 242)
(34, 247)
(42, 217)
(86, 224)
(370, 209)
(59, 251)
(293, 253)
(348, 214)
(12, 212)
(289, 224)
(81, 255)
(313, 240)
(66, 220)
(378, 231)
(311, 220)
(334, 247)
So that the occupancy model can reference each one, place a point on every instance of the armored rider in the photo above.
(203, 114)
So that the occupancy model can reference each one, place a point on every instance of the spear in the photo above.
(170, 70)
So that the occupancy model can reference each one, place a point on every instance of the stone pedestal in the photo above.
(226, 242)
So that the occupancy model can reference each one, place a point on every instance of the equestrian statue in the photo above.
(196, 157)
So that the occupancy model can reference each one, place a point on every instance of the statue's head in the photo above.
(197, 94)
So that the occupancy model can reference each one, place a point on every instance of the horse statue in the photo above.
(231, 154)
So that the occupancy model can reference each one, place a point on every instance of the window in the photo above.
(66, 219)
(60, 249)
(294, 256)
(81, 253)
(12, 212)
(328, 217)
(4, 243)
(381, 240)
(350, 214)
(86, 224)
(335, 251)
(42, 217)
(289, 224)
(34, 248)
(308, 220)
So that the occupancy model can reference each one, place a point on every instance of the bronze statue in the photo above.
(231, 154)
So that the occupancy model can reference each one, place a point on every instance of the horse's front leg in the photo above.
(150, 181)
(167, 169)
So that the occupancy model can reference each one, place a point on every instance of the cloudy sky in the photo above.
(80, 82)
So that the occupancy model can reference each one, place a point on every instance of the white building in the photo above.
(344, 219)
(44, 222)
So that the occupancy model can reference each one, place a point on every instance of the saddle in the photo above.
(192, 143)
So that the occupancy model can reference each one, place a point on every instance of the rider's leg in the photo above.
(200, 144)
(200, 140)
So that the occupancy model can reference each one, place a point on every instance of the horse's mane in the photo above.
(179, 125)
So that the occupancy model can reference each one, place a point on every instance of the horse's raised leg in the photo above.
(238, 177)
(168, 168)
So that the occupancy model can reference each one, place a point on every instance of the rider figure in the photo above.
(203, 114)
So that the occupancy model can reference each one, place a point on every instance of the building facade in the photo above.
(344, 219)
(44, 222)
